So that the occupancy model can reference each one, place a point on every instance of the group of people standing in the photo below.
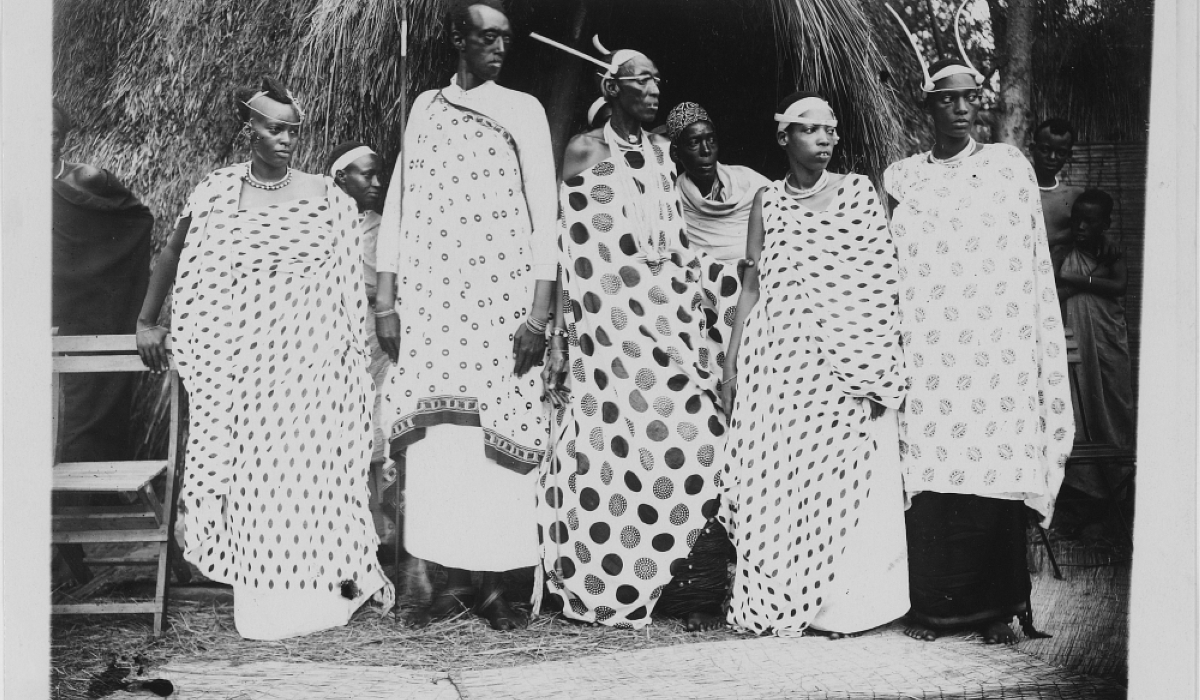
(749, 390)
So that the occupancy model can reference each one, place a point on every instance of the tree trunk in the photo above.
(1016, 78)
(937, 34)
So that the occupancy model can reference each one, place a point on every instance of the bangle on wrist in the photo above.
(537, 326)
(150, 328)
(384, 314)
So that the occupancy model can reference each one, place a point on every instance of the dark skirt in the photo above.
(700, 585)
(966, 559)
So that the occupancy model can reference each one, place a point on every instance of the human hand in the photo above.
(555, 372)
(387, 332)
(728, 394)
(152, 347)
(877, 408)
(528, 349)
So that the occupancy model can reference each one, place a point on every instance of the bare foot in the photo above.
(919, 631)
(418, 617)
(450, 603)
(703, 622)
(829, 634)
(500, 615)
(998, 632)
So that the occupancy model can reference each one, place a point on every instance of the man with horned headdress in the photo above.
(717, 200)
(466, 273)
(987, 426)
(627, 499)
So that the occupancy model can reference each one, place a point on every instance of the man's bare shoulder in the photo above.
(583, 151)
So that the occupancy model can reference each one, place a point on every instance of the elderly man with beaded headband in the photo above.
(717, 199)
(627, 500)
(988, 425)
(269, 333)
(466, 275)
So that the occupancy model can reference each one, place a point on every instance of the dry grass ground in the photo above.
(1087, 613)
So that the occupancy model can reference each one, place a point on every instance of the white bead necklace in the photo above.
(957, 157)
(277, 185)
(1051, 188)
(821, 183)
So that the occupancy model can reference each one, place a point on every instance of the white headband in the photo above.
(792, 115)
(618, 59)
(949, 71)
(349, 157)
(595, 109)
(295, 104)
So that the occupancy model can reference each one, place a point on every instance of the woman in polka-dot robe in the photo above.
(268, 332)
(812, 497)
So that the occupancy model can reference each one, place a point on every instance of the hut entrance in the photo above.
(721, 54)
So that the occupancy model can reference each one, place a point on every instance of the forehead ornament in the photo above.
(349, 157)
(793, 114)
(965, 68)
(263, 93)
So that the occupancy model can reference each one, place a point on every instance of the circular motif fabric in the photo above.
(630, 484)
(465, 284)
(989, 411)
(797, 464)
(269, 336)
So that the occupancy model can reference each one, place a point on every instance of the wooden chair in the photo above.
(1102, 455)
(1105, 456)
(147, 519)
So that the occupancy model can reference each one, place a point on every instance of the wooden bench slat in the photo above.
(106, 476)
(96, 343)
(123, 561)
(99, 512)
(76, 364)
(93, 536)
(106, 608)
(143, 521)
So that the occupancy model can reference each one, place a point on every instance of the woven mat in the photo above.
(1087, 612)
(881, 665)
(277, 680)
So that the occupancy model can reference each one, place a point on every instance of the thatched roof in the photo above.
(149, 81)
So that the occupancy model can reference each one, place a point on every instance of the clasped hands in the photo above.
(528, 350)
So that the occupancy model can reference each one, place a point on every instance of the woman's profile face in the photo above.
(274, 132)
(811, 145)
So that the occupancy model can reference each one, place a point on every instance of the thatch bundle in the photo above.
(149, 81)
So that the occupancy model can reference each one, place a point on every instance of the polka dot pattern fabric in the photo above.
(465, 285)
(989, 411)
(722, 288)
(798, 461)
(268, 323)
(631, 482)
